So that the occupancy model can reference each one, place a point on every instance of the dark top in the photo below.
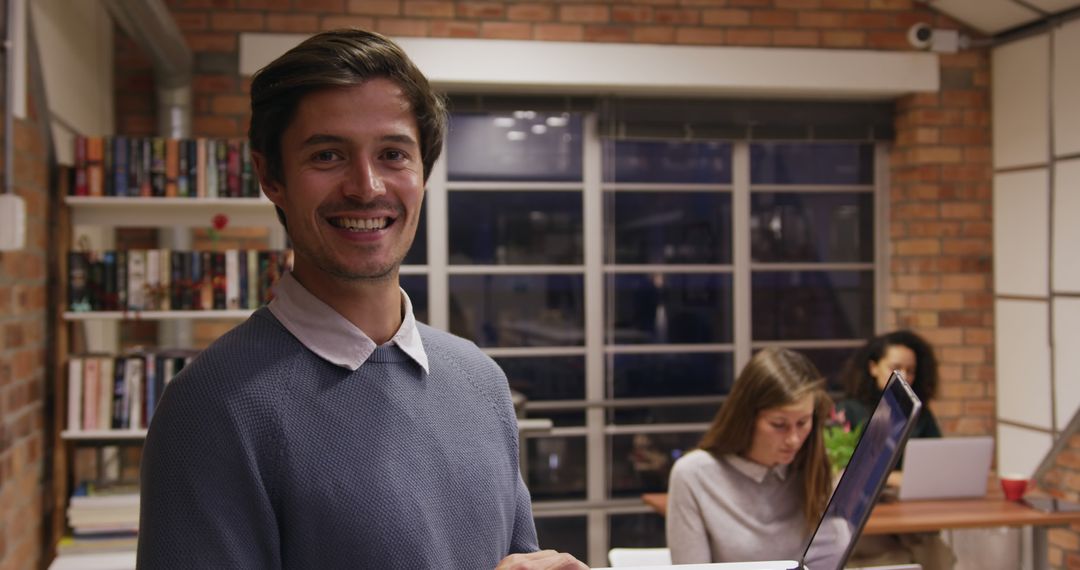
(857, 413)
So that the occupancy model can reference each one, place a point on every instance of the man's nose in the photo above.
(366, 181)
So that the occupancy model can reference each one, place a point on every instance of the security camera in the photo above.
(920, 36)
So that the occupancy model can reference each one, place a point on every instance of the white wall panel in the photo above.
(1021, 234)
(1066, 233)
(1020, 99)
(1023, 361)
(1066, 359)
(1067, 89)
(1021, 450)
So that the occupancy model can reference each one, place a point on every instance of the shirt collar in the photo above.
(331, 336)
(755, 471)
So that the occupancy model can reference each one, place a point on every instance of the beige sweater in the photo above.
(733, 510)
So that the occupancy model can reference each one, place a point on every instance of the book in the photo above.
(200, 167)
(137, 278)
(157, 166)
(80, 188)
(119, 394)
(172, 167)
(95, 166)
(151, 289)
(106, 387)
(232, 279)
(78, 277)
(120, 165)
(75, 394)
(121, 280)
(91, 375)
(108, 283)
(133, 392)
(211, 170)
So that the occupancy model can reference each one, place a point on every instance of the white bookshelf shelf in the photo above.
(169, 212)
(155, 315)
(103, 435)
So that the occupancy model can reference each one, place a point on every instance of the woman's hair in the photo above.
(773, 378)
(861, 386)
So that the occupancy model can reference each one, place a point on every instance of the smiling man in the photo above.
(332, 430)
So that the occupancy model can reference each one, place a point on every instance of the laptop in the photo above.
(946, 468)
(875, 455)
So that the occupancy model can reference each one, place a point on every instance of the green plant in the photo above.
(840, 440)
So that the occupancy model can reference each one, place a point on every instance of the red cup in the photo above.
(1014, 486)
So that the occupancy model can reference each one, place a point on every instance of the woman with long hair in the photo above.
(759, 482)
(867, 371)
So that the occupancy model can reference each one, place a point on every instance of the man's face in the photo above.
(353, 182)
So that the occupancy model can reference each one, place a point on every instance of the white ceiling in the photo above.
(996, 16)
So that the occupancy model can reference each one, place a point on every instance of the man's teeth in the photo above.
(361, 224)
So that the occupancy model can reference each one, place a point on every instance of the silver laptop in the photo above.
(849, 507)
(946, 468)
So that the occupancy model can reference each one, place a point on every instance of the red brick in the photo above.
(653, 34)
(964, 281)
(295, 23)
(584, 13)
(559, 32)
(631, 14)
(844, 4)
(1064, 539)
(773, 18)
(943, 336)
(338, 22)
(231, 104)
(704, 36)
(725, 17)
(320, 6)
(454, 29)
(937, 300)
(237, 21)
(798, 4)
(867, 21)
(216, 126)
(212, 41)
(401, 27)
(796, 38)
(887, 40)
(506, 30)
(917, 282)
(188, 21)
(609, 34)
(749, 37)
(214, 84)
(890, 5)
(530, 12)
(747, 3)
(962, 390)
(965, 210)
(821, 19)
(263, 4)
(481, 10)
(917, 247)
(679, 16)
(429, 9)
(374, 7)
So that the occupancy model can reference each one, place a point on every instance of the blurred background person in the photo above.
(759, 482)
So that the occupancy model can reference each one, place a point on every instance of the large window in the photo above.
(622, 282)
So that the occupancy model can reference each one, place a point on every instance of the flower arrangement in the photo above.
(840, 439)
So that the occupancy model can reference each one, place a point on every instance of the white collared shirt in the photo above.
(755, 471)
(333, 337)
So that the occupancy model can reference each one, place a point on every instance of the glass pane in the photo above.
(417, 254)
(830, 362)
(802, 227)
(640, 463)
(683, 374)
(546, 377)
(638, 530)
(489, 228)
(800, 305)
(564, 534)
(555, 467)
(560, 418)
(416, 286)
(669, 308)
(668, 161)
(668, 227)
(811, 163)
(518, 310)
(661, 414)
(517, 146)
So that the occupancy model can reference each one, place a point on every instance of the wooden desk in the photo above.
(922, 516)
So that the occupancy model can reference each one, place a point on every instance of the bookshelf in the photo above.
(179, 223)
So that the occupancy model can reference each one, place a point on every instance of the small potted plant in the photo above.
(840, 440)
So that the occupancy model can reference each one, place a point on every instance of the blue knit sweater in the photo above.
(263, 455)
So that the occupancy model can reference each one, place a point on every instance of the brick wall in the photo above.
(940, 201)
(23, 377)
(1063, 481)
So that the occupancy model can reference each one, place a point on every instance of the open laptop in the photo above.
(946, 468)
(849, 507)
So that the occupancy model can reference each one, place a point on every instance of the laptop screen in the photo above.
(875, 455)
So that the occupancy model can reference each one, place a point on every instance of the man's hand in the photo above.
(543, 560)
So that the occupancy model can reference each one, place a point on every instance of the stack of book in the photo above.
(118, 392)
(106, 521)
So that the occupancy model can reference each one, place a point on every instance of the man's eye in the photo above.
(325, 156)
(394, 155)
